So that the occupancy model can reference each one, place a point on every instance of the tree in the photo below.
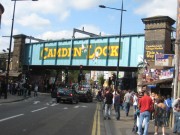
(101, 80)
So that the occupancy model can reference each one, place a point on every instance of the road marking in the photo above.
(65, 108)
(76, 106)
(84, 106)
(39, 109)
(36, 102)
(54, 104)
(96, 122)
(11, 117)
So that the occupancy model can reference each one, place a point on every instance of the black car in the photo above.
(85, 95)
(66, 94)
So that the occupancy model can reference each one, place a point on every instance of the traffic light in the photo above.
(27, 76)
(80, 69)
(79, 78)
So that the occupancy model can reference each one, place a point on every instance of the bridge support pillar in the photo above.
(18, 54)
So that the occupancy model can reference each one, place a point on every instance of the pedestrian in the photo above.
(176, 111)
(168, 104)
(135, 102)
(160, 116)
(103, 98)
(108, 104)
(35, 90)
(145, 106)
(117, 102)
(127, 100)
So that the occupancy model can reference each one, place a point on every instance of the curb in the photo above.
(17, 100)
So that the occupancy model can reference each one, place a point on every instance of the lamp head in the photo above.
(102, 6)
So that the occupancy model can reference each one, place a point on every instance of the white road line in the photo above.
(36, 102)
(54, 104)
(65, 108)
(76, 106)
(39, 109)
(11, 117)
(84, 106)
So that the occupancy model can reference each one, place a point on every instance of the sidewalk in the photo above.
(16, 98)
(11, 98)
(125, 124)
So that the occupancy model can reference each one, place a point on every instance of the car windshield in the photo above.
(65, 90)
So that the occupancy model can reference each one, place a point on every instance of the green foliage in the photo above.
(101, 80)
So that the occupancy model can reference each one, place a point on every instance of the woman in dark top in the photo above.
(160, 116)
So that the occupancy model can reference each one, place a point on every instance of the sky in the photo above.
(55, 19)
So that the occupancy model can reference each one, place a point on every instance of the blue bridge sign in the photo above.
(99, 51)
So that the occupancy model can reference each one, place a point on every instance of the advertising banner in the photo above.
(164, 60)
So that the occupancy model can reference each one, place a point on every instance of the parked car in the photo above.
(85, 95)
(66, 94)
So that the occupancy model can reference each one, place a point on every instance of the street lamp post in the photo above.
(10, 45)
(1, 12)
(120, 33)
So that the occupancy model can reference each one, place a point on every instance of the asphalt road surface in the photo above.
(43, 116)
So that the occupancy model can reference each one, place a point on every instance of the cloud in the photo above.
(33, 21)
(83, 4)
(158, 7)
(64, 34)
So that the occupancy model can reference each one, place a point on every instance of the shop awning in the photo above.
(169, 80)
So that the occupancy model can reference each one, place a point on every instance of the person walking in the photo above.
(117, 104)
(135, 102)
(176, 111)
(160, 116)
(127, 100)
(145, 106)
(108, 104)
(168, 104)
(35, 90)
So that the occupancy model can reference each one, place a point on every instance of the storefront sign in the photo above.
(152, 50)
(164, 60)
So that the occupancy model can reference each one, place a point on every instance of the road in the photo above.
(43, 116)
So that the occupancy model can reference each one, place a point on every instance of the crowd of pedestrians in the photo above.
(19, 88)
(147, 106)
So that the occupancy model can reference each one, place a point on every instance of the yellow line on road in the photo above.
(98, 125)
(96, 122)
